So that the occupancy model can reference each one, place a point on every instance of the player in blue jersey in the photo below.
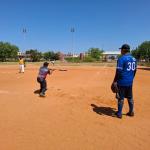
(125, 73)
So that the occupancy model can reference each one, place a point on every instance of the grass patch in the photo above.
(59, 63)
(146, 64)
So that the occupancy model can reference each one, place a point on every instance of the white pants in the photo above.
(21, 68)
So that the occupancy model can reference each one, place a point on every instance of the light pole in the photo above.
(147, 55)
(24, 31)
(72, 41)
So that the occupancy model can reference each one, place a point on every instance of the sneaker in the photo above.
(42, 95)
(131, 114)
(118, 115)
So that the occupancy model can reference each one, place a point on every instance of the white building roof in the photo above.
(111, 52)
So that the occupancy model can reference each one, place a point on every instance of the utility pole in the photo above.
(72, 41)
(24, 32)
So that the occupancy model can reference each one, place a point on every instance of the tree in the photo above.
(8, 51)
(56, 57)
(47, 55)
(95, 53)
(50, 55)
(35, 55)
(136, 53)
(142, 51)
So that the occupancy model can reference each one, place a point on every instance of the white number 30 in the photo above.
(131, 66)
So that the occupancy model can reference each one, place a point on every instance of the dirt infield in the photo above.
(75, 115)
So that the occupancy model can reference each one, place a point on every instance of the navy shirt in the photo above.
(126, 67)
(43, 72)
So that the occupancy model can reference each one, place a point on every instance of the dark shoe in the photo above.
(118, 115)
(42, 95)
(131, 114)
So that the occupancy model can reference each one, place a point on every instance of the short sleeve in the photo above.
(120, 64)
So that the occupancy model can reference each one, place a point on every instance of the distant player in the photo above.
(53, 62)
(125, 72)
(21, 64)
(43, 71)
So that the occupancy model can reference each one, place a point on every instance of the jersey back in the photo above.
(126, 66)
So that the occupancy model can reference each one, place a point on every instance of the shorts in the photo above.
(40, 79)
(124, 92)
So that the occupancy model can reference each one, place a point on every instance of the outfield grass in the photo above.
(58, 63)
(8, 63)
(144, 64)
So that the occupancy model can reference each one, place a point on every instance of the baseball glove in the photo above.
(114, 87)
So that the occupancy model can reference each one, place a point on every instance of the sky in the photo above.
(104, 24)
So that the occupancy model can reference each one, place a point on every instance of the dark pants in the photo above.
(43, 85)
(125, 92)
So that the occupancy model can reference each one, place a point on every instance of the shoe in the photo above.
(42, 95)
(131, 114)
(118, 115)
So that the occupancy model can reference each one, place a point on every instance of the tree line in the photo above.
(9, 52)
(142, 52)
(35, 55)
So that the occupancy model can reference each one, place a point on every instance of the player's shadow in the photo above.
(103, 110)
(36, 91)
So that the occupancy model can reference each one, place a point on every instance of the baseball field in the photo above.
(76, 114)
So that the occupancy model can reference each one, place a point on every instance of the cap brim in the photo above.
(124, 48)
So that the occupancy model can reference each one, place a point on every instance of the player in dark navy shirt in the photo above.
(43, 71)
(125, 73)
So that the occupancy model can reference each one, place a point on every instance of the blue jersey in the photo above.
(126, 67)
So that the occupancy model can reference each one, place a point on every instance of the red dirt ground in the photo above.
(76, 113)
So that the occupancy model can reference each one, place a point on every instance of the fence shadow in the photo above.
(147, 68)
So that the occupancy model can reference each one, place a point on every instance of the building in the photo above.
(21, 54)
(69, 55)
(110, 55)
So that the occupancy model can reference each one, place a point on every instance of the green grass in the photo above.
(144, 64)
(59, 63)
(8, 63)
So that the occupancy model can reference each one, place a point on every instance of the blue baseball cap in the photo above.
(125, 46)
